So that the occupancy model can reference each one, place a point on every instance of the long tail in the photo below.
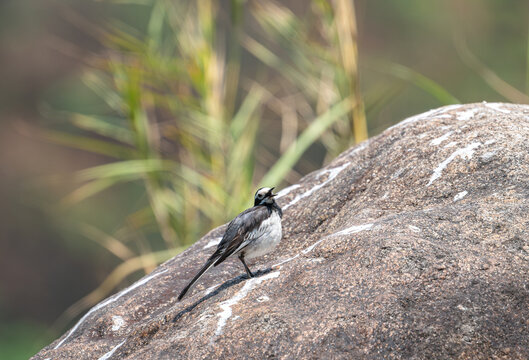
(207, 265)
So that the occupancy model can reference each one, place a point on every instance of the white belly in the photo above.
(266, 238)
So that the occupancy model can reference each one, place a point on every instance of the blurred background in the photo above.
(130, 128)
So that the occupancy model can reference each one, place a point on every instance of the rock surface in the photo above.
(414, 244)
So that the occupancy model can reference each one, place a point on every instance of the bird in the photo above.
(254, 232)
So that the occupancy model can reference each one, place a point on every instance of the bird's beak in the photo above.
(271, 193)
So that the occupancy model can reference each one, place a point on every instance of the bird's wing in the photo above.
(239, 232)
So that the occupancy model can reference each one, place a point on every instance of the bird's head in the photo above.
(264, 196)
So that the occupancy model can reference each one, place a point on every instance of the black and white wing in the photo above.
(238, 234)
(241, 231)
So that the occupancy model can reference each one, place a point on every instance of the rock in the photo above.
(410, 245)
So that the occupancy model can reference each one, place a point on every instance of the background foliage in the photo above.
(131, 128)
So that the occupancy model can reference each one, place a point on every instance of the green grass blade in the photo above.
(273, 61)
(246, 110)
(488, 75)
(428, 85)
(527, 66)
(89, 189)
(88, 144)
(155, 27)
(130, 169)
(103, 126)
(96, 81)
(107, 241)
(306, 139)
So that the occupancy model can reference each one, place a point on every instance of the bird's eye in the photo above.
(260, 196)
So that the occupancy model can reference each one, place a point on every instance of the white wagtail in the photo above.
(254, 232)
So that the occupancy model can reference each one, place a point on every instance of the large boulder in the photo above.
(414, 244)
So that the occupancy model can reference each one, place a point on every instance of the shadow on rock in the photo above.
(228, 284)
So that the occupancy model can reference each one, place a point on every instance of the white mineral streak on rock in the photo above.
(353, 229)
(210, 289)
(488, 155)
(465, 153)
(332, 173)
(413, 119)
(108, 301)
(111, 352)
(466, 115)
(447, 108)
(440, 139)
(117, 322)
(350, 230)
(285, 261)
(490, 141)
(212, 242)
(249, 285)
(414, 228)
(450, 144)
(263, 298)
(433, 113)
(497, 107)
(287, 190)
(460, 195)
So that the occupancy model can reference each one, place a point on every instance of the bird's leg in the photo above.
(248, 272)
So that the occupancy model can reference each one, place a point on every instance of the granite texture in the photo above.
(414, 244)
